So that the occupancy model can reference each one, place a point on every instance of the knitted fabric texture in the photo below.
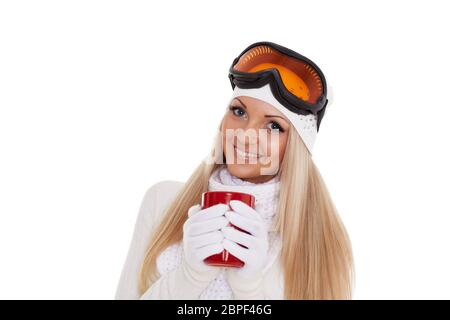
(266, 200)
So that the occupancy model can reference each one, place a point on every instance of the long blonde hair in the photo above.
(316, 254)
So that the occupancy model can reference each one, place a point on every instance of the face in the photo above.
(254, 138)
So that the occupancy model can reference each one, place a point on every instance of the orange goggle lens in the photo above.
(298, 77)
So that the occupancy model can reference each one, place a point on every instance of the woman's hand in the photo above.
(255, 256)
(202, 237)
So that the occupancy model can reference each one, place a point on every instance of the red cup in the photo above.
(210, 198)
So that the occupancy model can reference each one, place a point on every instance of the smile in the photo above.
(246, 155)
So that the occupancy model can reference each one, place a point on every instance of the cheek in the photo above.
(230, 123)
(226, 124)
(280, 146)
(283, 144)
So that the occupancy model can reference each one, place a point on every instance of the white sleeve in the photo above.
(179, 283)
(246, 289)
(148, 216)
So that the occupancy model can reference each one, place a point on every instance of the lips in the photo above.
(246, 155)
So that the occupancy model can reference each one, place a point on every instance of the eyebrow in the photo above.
(274, 116)
(267, 115)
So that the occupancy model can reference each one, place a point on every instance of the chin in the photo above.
(244, 171)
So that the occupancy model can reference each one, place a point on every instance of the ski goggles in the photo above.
(295, 81)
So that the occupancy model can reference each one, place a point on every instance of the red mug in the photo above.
(210, 198)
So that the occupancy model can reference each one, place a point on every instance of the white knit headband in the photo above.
(306, 125)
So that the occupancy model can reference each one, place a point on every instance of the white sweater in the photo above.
(175, 282)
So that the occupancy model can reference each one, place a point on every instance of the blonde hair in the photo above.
(316, 255)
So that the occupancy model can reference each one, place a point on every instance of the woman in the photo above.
(296, 246)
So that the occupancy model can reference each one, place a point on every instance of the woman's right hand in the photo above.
(202, 236)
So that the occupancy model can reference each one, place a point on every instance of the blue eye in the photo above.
(237, 111)
(276, 126)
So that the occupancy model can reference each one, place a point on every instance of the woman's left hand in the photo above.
(255, 255)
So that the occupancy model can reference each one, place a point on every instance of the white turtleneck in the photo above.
(168, 262)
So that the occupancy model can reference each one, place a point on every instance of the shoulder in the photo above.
(157, 198)
(165, 187)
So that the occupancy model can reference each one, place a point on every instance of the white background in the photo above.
(101, 99)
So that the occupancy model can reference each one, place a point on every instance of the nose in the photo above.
(249, 135)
